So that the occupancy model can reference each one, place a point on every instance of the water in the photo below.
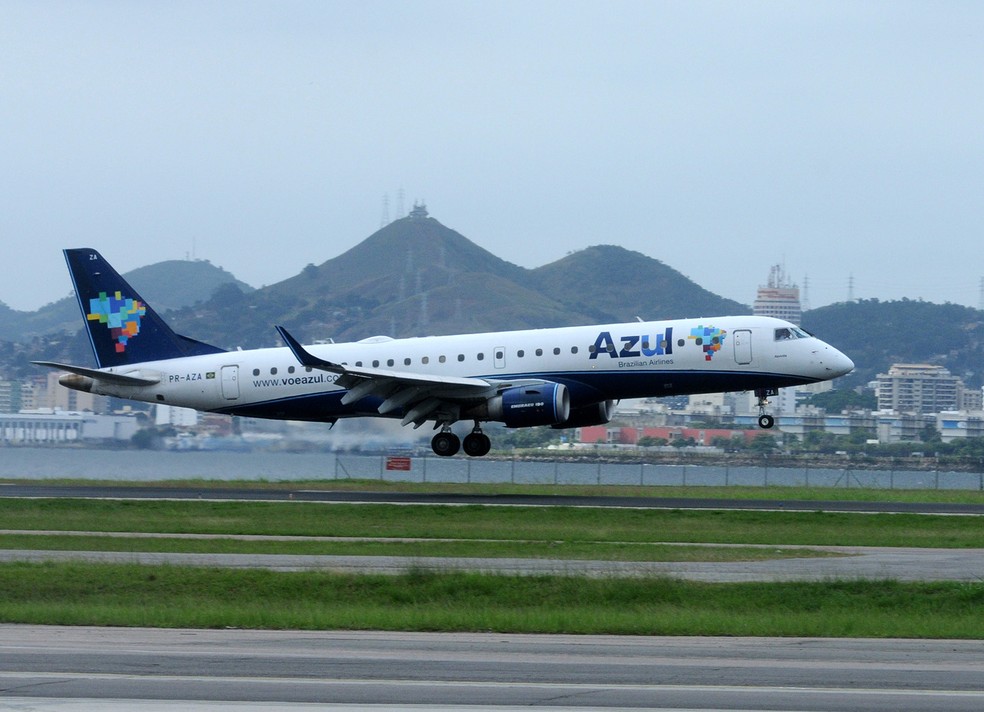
(22, 463)
(148, 466)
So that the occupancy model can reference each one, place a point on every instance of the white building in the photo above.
(780, 298)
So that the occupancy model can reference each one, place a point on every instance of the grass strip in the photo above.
(772, 492)
(554, 524)
(170, 596)
(622, 551)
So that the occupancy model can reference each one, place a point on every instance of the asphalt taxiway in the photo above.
(54, 668)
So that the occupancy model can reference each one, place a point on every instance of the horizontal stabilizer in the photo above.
(120, 379)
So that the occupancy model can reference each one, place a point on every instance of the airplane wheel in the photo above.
(445, 444)
(766, 421)
(477, 444)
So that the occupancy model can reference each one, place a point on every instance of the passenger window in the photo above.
(556, 351)
(573, 349)
(539, 352)
(290, 369)
(273, 371)
(406, 362)
(256, 372)
(461, 357)
(442, 359)
(425, 360)
(520, 353)
(480, 357)
(390, 362)
(375, 364)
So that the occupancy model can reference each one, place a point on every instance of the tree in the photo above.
(764, 443)
(842, 399)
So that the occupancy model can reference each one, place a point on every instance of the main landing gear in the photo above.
(476, 443)
(765, 420)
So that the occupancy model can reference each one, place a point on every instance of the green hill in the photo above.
(611, 283)
(167, 285)
(417, 277)
(877, 334)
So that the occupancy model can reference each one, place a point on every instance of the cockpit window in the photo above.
(788, 333)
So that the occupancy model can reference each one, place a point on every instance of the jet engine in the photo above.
(525, 406)
(594, 414)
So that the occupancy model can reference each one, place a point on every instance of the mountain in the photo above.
(877, 334)
(196, 281)
(611, 283)
(417, 277)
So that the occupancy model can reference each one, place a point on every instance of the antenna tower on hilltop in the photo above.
(400, 212)
(384, 219)
(805, 296)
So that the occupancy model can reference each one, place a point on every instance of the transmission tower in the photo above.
(384, 219)
(805, 296)
(400, 212)
(850, 288)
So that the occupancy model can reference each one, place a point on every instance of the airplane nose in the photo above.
(829, 363)
(837, 363)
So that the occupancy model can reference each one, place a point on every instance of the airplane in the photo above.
(563, 377)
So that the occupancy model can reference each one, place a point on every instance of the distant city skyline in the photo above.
(840, 138)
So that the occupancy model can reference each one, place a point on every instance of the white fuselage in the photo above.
(628, 360)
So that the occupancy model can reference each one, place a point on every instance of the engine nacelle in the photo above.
(525, 406)
(594, 414)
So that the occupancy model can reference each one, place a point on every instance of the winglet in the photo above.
(305, 357)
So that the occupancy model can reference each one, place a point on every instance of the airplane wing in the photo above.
(119, 379)
(424, 396)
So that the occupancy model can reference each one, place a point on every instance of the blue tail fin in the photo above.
(122, 327)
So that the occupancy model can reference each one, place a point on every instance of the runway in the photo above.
(408, 498)
(54, 668)
(81, 669)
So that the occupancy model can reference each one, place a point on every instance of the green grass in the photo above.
(168, 596)
(172, 596)
(544, 524)
(770, 493)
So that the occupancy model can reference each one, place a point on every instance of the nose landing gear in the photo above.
(765, 420)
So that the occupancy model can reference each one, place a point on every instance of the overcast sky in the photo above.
(718, 137)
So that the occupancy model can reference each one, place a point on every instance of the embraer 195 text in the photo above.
(566, 377)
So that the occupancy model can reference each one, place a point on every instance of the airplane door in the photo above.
(743, 346)
(499, 356)
(230, 382)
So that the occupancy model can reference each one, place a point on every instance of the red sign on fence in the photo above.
(398, 463)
